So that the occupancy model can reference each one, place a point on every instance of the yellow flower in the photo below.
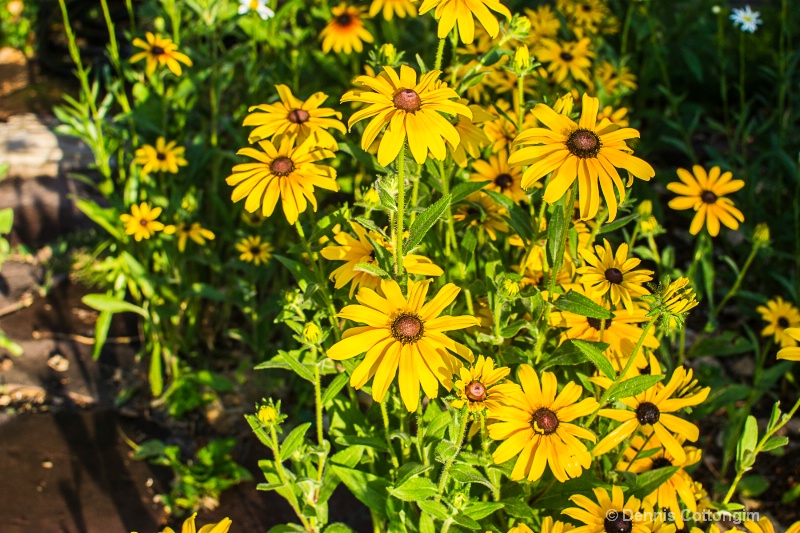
(792, 353)
(779, 315)
(345, 31)
(160, 51)
(268, 415)
(163, 157)
(587, 152)
(536, 426)
(504, 179)
(544, 23)
(480, 210)
(392, 7)
(195, 231)
(409, 109)
(481, 386)
(705, 194)
(615, 79)
(287, 172)
(678, 298)
(295, 118)
(448, 12)
(142, 223)
(608, 514)
(253, 250)
(360, 250)
(615, 117)
(606, 272)
(651, 411)
(564, 104)
(679, 486)
(472, 137)
(189, 526)
(566, 59)
(406, 333)
(311, 333)
(522, 59)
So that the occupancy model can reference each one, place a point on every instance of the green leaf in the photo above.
(409, 470)
(204, 290)
(774, 443)
(435, 509)
(101, 328)
(372, 269)
(752, 486)
(518, 219)
(425, 222)
(105, 218)
(426, 524)
(463, 520)
(111, 304)
(462, 190)
(555, 234)
(468, 474)
(301, 273)
(293, 440)
(338, 527)
(414, 490)
(480, 510)
(590, 351)
(445, 450)
(289, 360)
(154, 375)
(747, 444)
(633, 386)
(368, 488)
(6, 220)
(370, 442)
(648, 482)
(335, 386)
(617, 224)
(575, 302)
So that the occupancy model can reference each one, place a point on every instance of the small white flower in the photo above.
(746, 18)
(259, 6)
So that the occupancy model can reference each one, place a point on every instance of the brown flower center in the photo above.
(614, 275)
(298, 116)
(255, 250)
(583, 143)
(143, 222)
(407, 328)
(282, 166)
(599, 323)
(161, 156)
(476, 392)
(504, 181)
(566, 56)
(345, 19)
(544, 421)
(783, 322)
(660, 462)
(157, 51)
(586, 8)
(647, 413)
(617, 522)
(407, 100)
(708, 197)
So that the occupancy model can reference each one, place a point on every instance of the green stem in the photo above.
(385, 416)
(401, 193)
(284, 480)
(738, 283)
(626, 28)
(446, 470)
(323, 285)
(439, 55)
(520, 100)
(450, 237)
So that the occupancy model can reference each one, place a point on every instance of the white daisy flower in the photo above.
(259, 6)
(747, 19)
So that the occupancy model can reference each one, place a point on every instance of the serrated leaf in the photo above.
(462, 190)
(575, 302)
(414, 490)
(293, 440)
(633, 386)
(590, 351)
(367, 488)
(425, 221)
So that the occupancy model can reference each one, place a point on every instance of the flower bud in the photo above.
(371, 198)
(388, 54)
(761, 235)
(311, 333)
(645, 208)
(564, 104)
(509, 288)
(268, 415)
(522, 60)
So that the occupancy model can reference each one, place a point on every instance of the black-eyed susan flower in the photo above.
(285, 171)
(652, 410)
(193, 231)
(295, 118)
(163, 157)
(779, 315)
(481, 387)
(160, 51)
(607, 272)
(609, 515)
(535, 426)
(584, 15)
(792, 353)
(614, 78)
(409, 109)
(639, 458)
(345, 32)
(472, 137)
(544, 23)
(448, 12)
(142, 223)
(587, 151)
(705, 193)
(253, 250)
(504, 179)
(480, 210)
(390, 8)
(223, 526)
(615, 116)
(520, 528)
(403, 333)
(361, 250)
(676, 298)
(566, 59)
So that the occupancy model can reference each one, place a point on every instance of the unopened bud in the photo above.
(311, 333)
(522, 60)
(761, 235)
(564, 104)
